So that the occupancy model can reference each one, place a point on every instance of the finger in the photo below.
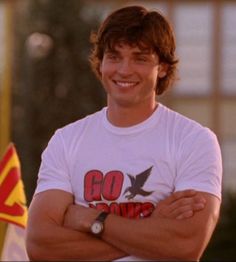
(173, 208)
(185, 215)
(199, 199)
(176, 204)
(198, 206)
(181, 194)
(189, 211)
(187, 201)
(195, 207)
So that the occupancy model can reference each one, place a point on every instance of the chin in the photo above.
(125, 103)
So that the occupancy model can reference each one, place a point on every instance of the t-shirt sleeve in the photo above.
(199, 163)
(53, 171)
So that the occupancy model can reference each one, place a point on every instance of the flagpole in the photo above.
(5, 93)
(5, 96)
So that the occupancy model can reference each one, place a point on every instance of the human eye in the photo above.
(141, 59)
(112, 56)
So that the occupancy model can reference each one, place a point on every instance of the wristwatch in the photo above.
(97, 226)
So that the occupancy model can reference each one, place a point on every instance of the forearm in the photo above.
(47, 237)
(53, 242)
(162, 238)
(148, 239)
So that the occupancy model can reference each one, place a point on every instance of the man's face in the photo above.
(129, 75)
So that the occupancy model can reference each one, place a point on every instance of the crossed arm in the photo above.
(57, 229)
(48, 239)
(165, 238)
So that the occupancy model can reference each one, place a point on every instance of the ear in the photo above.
(162, 70)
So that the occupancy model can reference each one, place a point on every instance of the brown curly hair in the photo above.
(135, 25)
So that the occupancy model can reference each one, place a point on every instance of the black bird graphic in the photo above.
(137, 184)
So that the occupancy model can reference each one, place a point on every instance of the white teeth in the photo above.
(126, 84)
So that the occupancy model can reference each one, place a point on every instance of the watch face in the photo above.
(97, 227)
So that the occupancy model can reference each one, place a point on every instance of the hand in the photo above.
(180, 205)
(80, 218)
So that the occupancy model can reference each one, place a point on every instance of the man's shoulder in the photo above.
(184, 125)
(71, 134)
(80, 124)
(74, 131)
(178, 118)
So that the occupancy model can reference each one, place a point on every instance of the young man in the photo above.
(135, 180)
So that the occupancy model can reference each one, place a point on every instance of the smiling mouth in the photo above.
(125, 84)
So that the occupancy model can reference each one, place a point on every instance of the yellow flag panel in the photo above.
(12, 197)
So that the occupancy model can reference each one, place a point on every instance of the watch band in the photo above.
(102, 216)
(97, 226)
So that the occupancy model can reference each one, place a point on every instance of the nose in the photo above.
(125, 67)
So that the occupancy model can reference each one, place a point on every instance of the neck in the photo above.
(128, 116)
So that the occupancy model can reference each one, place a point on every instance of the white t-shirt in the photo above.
(126, 171)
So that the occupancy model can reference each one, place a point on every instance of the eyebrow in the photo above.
(138, 52)
(143, 52)
(110, 51)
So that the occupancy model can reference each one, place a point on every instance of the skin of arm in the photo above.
(47, 238)
(52, 210)
(156, 237)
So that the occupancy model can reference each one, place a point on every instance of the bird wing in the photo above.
(142, 177)
(132, 179)
(145, 193)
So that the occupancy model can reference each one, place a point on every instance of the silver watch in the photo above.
(97, 226)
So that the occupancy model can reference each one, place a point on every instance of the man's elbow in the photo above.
(190, 254)
(188, 248)
(196, 243)
(182, 250)
(182, 253)
(35, 251)
(193, 249)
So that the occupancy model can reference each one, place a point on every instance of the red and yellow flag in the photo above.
(12, 197)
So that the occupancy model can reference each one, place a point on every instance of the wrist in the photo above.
(88, 220)
(98, 225)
